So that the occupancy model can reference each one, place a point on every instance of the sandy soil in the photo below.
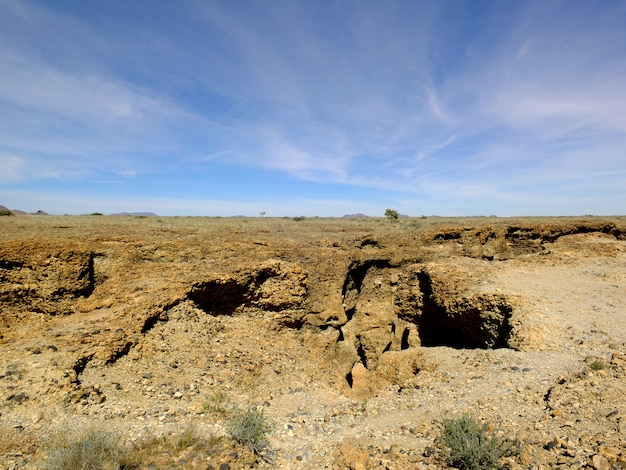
(356, 337)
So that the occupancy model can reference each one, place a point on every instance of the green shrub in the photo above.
(391, 214)
(251, 428)
(7, 213)
(162, 450)
(84, 448)
(217, 403)
(471, 447)
(597, 364)
(188, 438)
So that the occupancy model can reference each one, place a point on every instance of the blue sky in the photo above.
(198, 107)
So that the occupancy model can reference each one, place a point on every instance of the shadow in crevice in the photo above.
(479, 321)
(220, 297)
(353, 282)
(361, 352)
(404, 342)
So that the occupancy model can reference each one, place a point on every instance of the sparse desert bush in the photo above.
(217, 403)
(251, 428)
(188, 438)
(6, 213)
(90, 447)
(391, 214)
(205, 445)
(165, 448)
(597, 364)
(470, 446)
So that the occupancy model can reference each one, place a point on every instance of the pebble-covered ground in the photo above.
(140, 355)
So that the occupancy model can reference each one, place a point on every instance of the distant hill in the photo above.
(358, 215)
(135, 214)
(5, 210)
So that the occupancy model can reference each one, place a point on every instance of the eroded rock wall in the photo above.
(362, 306)
(43, 278)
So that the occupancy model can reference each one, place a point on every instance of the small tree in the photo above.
(391, 214)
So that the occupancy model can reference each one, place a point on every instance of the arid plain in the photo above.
(356, 337)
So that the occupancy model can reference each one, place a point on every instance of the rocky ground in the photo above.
(355, 337)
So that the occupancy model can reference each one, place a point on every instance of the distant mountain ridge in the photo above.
(5, 210)
(359, 215)
(136, 214)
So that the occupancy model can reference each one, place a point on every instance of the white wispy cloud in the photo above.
(392, 96)
(524, 49)
(76, 117)
(12, 168)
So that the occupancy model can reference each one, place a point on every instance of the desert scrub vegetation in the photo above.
(597, 364)
(216, 403)
(471, 446)
(166, 448)
(93, 447)
(251, 429)
(188, 438)
(84, 448)
(391, 214)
